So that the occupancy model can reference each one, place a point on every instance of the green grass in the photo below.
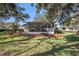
(22, 45)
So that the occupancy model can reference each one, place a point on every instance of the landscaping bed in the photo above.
(48, 35)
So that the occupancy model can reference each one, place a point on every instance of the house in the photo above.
(39, 26)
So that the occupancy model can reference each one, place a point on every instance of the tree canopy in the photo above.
(59, 11)
(8, 10)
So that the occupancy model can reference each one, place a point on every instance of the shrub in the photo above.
(45, 34)
(2, 33)
(60, 31)
(63, 28)
(78, 32)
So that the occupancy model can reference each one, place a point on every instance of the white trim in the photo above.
(39, 32)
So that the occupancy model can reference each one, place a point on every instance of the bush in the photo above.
(78, 32)
(63, 28)
(45, 34)
(60, 31)
(2, 33)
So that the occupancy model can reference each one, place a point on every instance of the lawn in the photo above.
(39, 46)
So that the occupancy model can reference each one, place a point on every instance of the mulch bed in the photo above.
(49, 35)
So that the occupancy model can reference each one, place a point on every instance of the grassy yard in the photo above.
(39, 46)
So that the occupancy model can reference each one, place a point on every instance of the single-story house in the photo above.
(40, 26)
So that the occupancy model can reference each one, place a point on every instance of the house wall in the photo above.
(40, 32)
(49, 31)
(45, 27)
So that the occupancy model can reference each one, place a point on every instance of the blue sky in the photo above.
(28, 9)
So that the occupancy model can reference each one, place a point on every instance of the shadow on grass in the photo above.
(14, 41)
(55, 50)
(72, 42)
(72, 38)
(31, 47)
(23, 40)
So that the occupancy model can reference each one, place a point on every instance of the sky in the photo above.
(29, 10)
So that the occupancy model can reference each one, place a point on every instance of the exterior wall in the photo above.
(49, 31)
(49, 27)
(40, 32)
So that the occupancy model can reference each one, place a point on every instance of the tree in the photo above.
(11, 28)
(15, 27)
(54, 10)
(59, 12)
(8, 10)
